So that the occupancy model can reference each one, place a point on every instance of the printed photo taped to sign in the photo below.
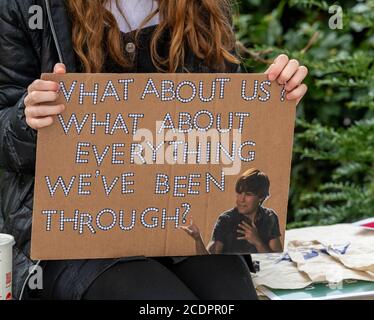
(135, 158)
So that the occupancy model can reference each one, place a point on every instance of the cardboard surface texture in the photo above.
(106, 185)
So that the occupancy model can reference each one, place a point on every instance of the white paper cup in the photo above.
(6, 258)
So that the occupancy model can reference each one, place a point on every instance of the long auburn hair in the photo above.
(201, 25)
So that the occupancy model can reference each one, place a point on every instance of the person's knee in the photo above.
(218, 277)
(146, 279)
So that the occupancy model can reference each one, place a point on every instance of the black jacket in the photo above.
(24, 55)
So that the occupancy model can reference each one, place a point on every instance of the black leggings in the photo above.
(214, 277)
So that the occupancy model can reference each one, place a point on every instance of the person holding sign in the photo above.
(247, 228)
(110, 36)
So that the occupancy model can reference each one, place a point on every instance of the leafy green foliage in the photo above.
(333, 167)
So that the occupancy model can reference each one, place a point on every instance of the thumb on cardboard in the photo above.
(59, 68)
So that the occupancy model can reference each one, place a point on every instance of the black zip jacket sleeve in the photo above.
(17, 139)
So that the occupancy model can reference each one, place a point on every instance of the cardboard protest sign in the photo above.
(136, 157)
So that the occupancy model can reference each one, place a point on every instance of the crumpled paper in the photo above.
(358, 255)
(349, 244)
(312, 258)
(277, 271)
(318, 254)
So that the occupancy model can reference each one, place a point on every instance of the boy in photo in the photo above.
(249, 227)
